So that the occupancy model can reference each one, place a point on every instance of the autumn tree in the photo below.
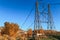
(10, 28)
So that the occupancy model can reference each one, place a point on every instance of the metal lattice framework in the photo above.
(43, 17)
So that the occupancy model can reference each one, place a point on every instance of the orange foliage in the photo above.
(29, 32)
(10, 28)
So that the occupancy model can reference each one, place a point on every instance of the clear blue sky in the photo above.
(16, 11)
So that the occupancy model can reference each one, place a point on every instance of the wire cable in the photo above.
(27, 16)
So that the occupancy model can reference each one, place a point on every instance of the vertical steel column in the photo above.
(50, 19)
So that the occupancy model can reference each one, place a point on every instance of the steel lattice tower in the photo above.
(37, 17)
(50, 19)
(38, 21)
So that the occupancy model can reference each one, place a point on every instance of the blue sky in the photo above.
(16, 11)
